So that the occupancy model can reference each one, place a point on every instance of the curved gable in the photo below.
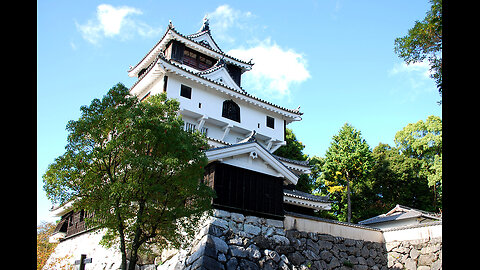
(248, 154)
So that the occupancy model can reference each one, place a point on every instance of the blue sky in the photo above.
(333, 58)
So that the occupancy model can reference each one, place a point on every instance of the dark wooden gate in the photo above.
(246, 191)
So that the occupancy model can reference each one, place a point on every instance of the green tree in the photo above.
(348, 161)
(293, 149)
(133, 166)
(423, 142)
(398, 180)
(424, 40)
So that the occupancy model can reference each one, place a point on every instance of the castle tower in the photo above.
(243, 132)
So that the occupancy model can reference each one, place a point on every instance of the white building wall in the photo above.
(211, 106)
(419, 232)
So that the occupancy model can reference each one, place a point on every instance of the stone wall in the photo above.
(415, 254)
(234, 241)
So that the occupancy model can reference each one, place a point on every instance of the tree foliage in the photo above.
(133, 166)
(293, 149)
(422, 141)
(348, 162)
(424, 40)
(409, 174)
(398, 180)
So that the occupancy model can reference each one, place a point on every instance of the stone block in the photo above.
(236, 240)
(324, 244)
(370, 262)
(269, 265)
(221, 257)
(253, 252)
(248, 265)
(220, 223)
(410, 264)
(325, 237)
(365, 252)
(311, 245)
(349, 242)
(271, 255)
(238, 251)
(220, 245)
(313, 236)
(436, 265)
(281, 240)
(252, 229)
(221, 213)
(284, 266)
(414, 253)
(373, 253)
(232, 264)
(310, 255)
(284, 249)
(274, 223)
(206, 262)
(237, 217)
(361, 261)
(253, 220)
(326, 255)
(391, 245)
(296, 258)
(333, 263)
(262, 242)
(215, 230)
(320, 265)
(425, 259)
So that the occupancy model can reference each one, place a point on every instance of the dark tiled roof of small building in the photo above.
(398, 213)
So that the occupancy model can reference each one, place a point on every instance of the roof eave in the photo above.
(175, 68)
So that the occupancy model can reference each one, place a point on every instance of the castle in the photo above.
(260, 220)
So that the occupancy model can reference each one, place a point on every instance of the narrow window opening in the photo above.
(231, 110)
(270, 122)
(186, 91)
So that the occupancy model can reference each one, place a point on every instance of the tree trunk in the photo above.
(136, 240)
(121, 233)
(349, 204)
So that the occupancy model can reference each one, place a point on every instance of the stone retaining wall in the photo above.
(234, 241)
(415, 254)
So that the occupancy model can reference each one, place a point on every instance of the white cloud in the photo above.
(115, 21)
(422, 68)
(275, 70)
(411, 81)
(225, 18)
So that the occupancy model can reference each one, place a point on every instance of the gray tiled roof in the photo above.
(294, 161)
(398, 213)
(306, 196)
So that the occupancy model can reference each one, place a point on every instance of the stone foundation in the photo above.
(415, 254)
(233, 241)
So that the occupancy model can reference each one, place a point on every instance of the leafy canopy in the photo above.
(133, 166)
(423, 141)
(424, 40)
(347, 161)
